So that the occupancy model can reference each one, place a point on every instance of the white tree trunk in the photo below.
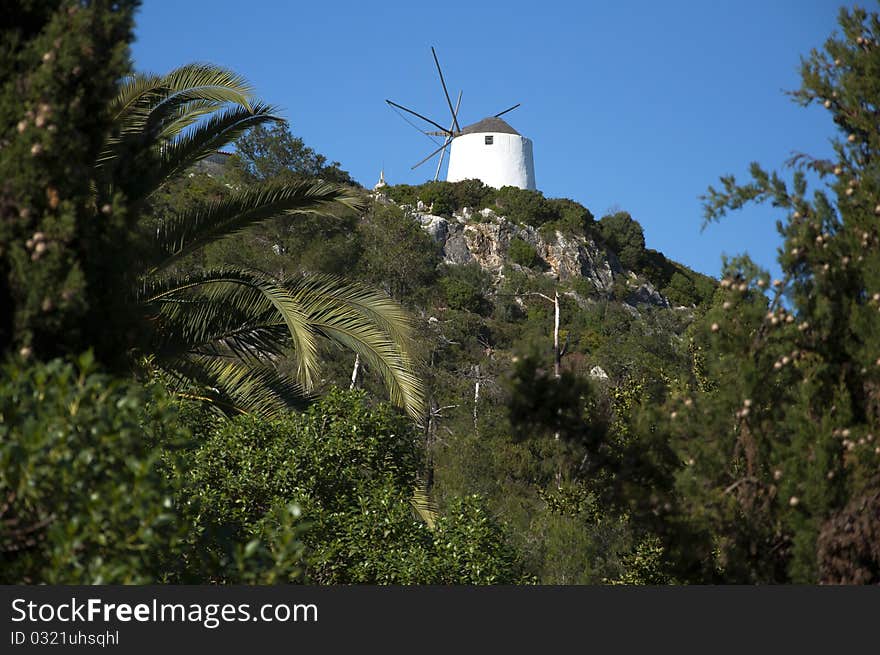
(476, 394)
(557, 355)
(354, 372)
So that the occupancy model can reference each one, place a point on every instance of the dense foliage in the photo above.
(87, 495)
(519, 205)
(633, 422)
(625, 236)
(352, 468)
(59, 69)
(271, 152)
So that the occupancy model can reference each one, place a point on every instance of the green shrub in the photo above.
(520, 206)
(444, 197)
(396, 253)
(352, 468)
(624, 236)
(465, 287)
(680, 290)
(86, 467)
(524, 207)
(523, 253)
(78, 461)
(677, 282)
(572, 216)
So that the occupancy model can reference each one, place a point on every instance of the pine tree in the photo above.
(778, 444)
(59, 65)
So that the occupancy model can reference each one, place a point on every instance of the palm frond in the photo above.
(389, 315)
(203, 140)
(326, 301)
(424, 506)
(183, 116)
(221, 330)
(164, 120)
(140, 90)
(238, 290)
(135, 90)
(224, 83)
(195, 229)
(235, 387)
(152, 110)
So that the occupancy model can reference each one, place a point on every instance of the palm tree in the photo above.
(219, 334)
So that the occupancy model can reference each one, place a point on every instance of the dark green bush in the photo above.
(523, 253)
(677, 282)
(445, 197)
(524, 207)
(396, 253)
(353, 469)
(624, 236)
(680, 290)
(84, 468)
(518, 205)
(465, 287)
(77, 459)
(573, 216)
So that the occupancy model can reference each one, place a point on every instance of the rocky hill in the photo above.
(485, 238)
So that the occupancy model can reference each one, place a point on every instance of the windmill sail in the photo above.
(445, 92)
(501, 113)
(508, 163)
(415, 113)
(448, 141)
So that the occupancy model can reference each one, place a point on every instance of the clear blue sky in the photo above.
(630, 105)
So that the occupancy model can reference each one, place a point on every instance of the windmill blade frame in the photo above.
(501, 113)
(443, 152)
(415, 113)
(445, 92)
(422, 161)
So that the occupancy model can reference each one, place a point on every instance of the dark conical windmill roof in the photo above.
(490, 124)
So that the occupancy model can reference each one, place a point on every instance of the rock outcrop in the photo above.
(484, 238)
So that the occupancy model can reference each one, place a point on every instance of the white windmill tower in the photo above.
(489, 150)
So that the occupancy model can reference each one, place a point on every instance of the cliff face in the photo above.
(484, 238)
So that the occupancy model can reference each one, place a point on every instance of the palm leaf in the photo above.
(235, 387)
(207, 327)
(239, 290)
(326, 300)
(424, 506)
(150, 111)
(183, 116)
(195, 229)
(374, 305)
(136, 92)
(140, 92)
(202, 141)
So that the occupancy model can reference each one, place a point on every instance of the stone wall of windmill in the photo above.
(494, 153)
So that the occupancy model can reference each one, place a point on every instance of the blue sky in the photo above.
(631, 105)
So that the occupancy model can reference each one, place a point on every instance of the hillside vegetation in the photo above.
(249, 369)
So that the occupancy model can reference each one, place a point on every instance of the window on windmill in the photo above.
(489, 139)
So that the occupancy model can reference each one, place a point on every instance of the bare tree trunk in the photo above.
(557, 354)
(476, 394)
(557, 361)
(355, 371)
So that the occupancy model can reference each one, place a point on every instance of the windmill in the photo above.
(510, 163)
